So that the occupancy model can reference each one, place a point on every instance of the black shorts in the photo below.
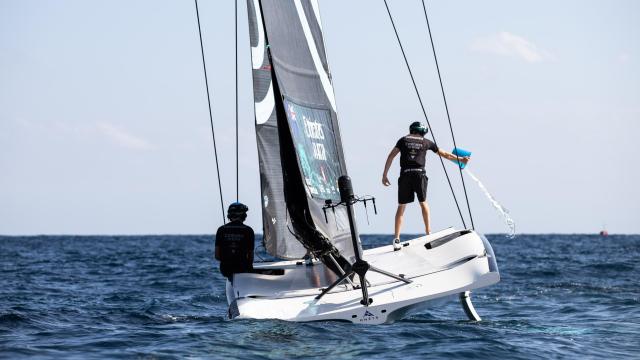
(412, 183)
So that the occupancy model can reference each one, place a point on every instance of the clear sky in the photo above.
(104, 126)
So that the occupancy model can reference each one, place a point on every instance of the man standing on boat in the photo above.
(234, 243)
(413, 178)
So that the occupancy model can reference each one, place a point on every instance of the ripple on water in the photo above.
(561, 296)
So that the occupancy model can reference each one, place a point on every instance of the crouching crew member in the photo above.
(234, 243)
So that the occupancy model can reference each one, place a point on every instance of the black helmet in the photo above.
(418, 128)
(237, 211)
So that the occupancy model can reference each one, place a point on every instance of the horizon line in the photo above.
(261, 234)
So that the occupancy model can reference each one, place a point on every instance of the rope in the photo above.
(237, 151)
(424, 112)
(213, 134)
(444, 97)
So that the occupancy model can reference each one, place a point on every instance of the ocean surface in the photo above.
(561, 296)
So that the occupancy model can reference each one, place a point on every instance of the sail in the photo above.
(277, 239)
(298, 136)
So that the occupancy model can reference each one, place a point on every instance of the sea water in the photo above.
(561, 296)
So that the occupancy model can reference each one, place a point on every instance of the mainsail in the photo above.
(299, 145)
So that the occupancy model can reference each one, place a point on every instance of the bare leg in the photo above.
(425, 216)
(398, 225)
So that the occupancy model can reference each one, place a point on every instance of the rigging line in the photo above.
(424, 112)
(237, 152)
(444, 97)
(213, 133)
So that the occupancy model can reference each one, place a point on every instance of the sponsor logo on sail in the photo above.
(292, 112)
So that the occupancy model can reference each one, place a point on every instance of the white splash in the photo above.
(501, 209)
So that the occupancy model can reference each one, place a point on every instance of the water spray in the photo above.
(492, 200)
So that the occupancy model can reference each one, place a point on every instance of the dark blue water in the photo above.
(161, 296)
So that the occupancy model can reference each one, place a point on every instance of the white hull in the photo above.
(456, 262)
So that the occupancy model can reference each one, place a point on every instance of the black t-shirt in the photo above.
(235, 242)
(413, 151)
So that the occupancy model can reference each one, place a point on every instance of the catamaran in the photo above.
(307, 200)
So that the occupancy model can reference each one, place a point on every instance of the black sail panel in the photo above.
(303, 123)
(278, 238)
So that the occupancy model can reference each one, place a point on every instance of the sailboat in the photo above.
(307, 200)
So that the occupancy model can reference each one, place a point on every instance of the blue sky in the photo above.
(104, 126)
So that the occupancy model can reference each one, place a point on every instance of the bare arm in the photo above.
(449, 156)
(387, 165)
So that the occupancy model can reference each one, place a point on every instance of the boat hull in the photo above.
(446, 263)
